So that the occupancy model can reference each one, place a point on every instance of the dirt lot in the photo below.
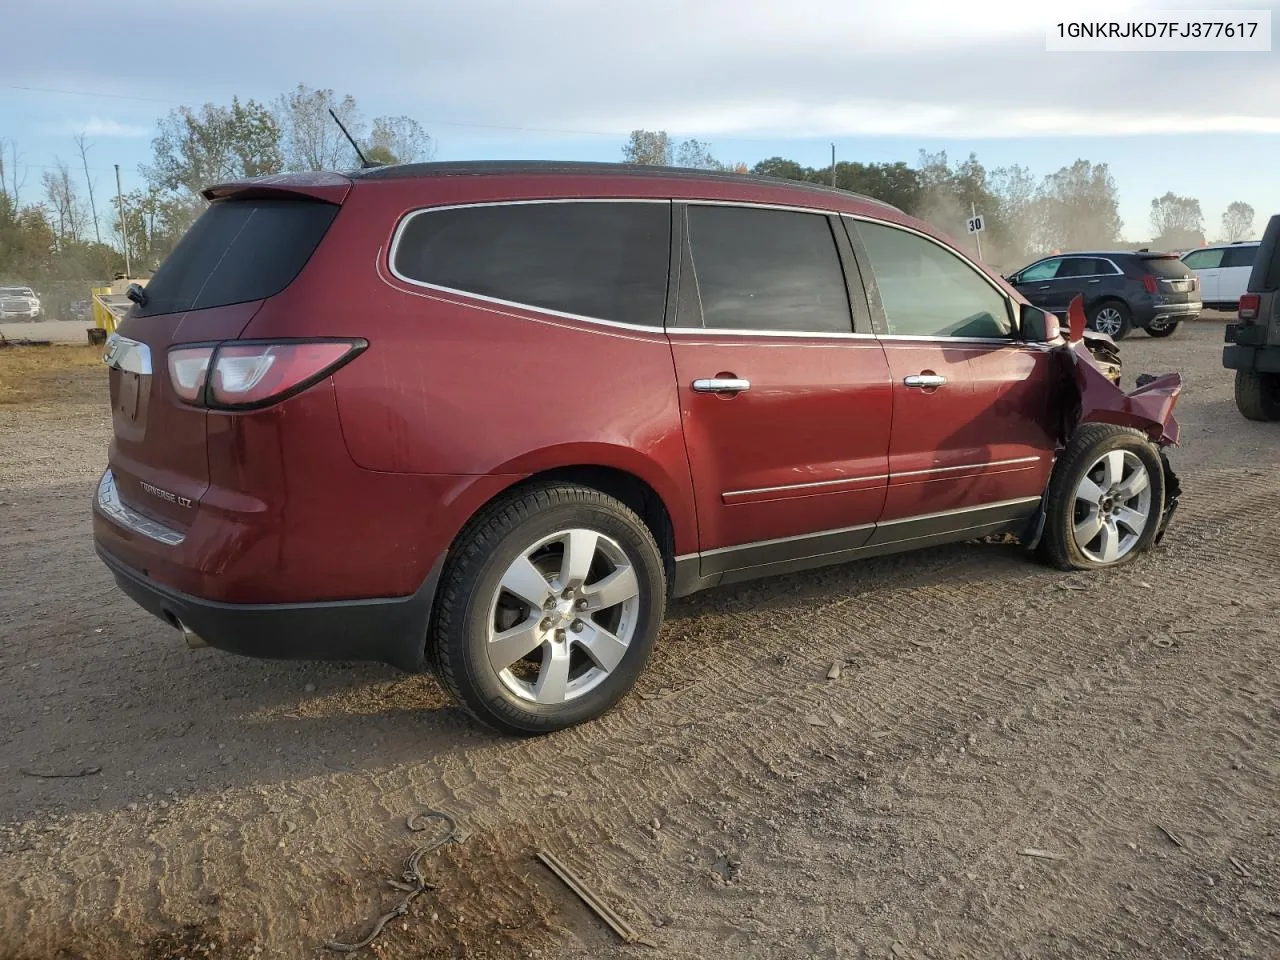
(741, 805)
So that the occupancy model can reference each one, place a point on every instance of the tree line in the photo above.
(1075, 208)
(71, 231)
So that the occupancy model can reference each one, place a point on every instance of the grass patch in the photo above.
(41, 374)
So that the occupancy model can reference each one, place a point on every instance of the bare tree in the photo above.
(13, 186)
(1237, 222)
(63, 203)
(312, 141)
(83, 145)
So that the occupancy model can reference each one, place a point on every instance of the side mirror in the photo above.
(1038, 326)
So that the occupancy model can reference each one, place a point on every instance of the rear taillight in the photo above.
(188, 368)
(1151, 283)
(1250, 304)
(244, 374)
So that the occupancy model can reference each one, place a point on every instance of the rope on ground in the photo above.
(415, 883)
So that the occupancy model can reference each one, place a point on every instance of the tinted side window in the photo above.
(1240, 256)
(600, 259)
(238, 250)
(762, 269)
(1044, 270)
(1203, 259)
(1078, 267)
(928, 291)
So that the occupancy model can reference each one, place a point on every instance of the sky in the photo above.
(568, 79)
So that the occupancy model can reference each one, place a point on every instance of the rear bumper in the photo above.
(389, 630)
(1238, 356)
(1144, 315)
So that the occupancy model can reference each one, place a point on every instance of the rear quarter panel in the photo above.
(453, 385)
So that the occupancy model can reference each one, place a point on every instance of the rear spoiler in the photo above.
(329, 187)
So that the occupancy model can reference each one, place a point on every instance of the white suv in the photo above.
(1223, 271)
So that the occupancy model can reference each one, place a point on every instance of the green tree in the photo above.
(696, 155)
(782, 168)
(195, 149)
(399, 140)
(648, 147)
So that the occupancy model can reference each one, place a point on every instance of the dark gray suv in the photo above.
(1121, 290)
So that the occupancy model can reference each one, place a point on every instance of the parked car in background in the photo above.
(19, 303)
(581, 389)
(1223, 271)
(1253, 341)
(1122, 290)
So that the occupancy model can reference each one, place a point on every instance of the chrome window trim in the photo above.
(1010, 312)
(413, 214)
(113, 508)
(390, 263)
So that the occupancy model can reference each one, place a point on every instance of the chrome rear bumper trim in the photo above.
(114, 509)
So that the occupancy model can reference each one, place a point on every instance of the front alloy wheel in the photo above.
(548, 608)
(1112, 506)
(1105, 500)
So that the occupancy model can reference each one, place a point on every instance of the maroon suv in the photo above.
(490, 417)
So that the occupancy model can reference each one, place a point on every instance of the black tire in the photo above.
(1165, 331)
(470, 582)
(1258, 395)
(1121, 308)
(1058, 547)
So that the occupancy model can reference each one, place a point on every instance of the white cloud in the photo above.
(99, 127)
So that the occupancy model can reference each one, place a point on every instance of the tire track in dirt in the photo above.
(713, 733)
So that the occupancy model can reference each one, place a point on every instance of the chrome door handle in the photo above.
(1095, 281)
(1045, 287)
(721, 385)
(924, 380)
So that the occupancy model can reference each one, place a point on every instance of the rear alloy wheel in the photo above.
(1163, 327)
(549, 609)
(1112, 318)
(1105, 500)
(1258, 395)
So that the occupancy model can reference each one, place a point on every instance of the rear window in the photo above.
(1242, 256)
(238, 251)
(1169, 268)
(598, 259)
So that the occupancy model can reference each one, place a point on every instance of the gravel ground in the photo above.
(741, 804)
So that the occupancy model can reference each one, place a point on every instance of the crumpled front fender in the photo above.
(1149, 408)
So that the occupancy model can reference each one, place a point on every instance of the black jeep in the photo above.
(1253, 341)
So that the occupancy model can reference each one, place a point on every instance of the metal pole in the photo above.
(977, 234)
(124, 232)
(833, 164)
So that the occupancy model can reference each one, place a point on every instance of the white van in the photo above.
(1223, 271)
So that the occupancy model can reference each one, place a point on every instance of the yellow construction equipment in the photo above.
(110, 304)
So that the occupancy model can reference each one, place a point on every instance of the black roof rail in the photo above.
(462, 168)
